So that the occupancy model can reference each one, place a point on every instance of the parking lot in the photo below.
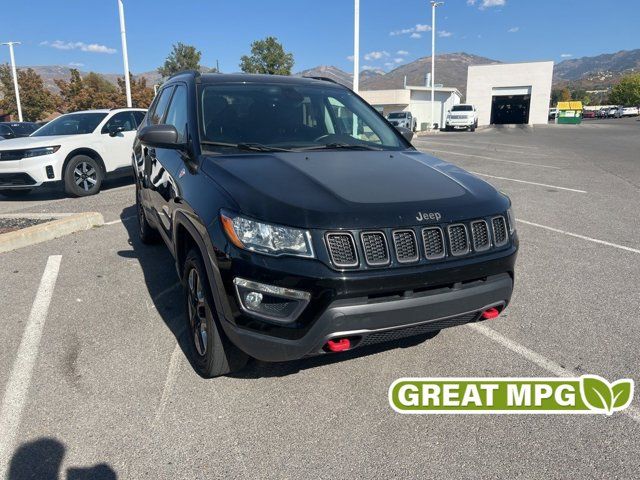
(113, 394)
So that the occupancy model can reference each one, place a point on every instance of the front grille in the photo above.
(342, 249)
(374, 245)
(415, 330)
(458, 239)
(16, 180)
(405, 245)
(433, 240)
(480, 235)
(499, 231)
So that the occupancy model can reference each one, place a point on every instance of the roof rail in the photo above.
(196, 73)
(324, 79)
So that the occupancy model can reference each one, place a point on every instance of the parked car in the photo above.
(602, 113)
(462, 116)
(10, 130)
(588, 114)
(553, 113)
(76, 151)
(629, 112)
(402, 119)
(295, 234)
(612, 112)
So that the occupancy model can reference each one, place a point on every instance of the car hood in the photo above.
(351, 189)
(34, 142)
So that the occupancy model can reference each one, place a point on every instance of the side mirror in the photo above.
(160, 136)
(406, 133)
(115, 130)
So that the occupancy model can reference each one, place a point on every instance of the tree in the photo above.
(141, 95)
(627, 91)
(36, 101)
(267, 56)
(182, 57)
(565, 95)
(92, 91)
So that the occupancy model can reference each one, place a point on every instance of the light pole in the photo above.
(356, 46)
(125, 57)
(434, 4)
(15, 77)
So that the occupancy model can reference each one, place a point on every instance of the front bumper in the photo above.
(466, 122)
(30, 172)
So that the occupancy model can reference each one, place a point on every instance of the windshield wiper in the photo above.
(346, 146)
(256, 147)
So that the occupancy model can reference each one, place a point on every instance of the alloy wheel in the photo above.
(85, 176)
(197, 312)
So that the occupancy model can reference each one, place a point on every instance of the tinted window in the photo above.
(126, 120)
(462, 108)
(160, 106)
(139, 116)
(177, 113)
(398, 115)
(291, 116)
(24, 129)
(71, 124)
(5, 131)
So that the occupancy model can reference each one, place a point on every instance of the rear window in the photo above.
(24, 129)
(398, 115)
(462, 108)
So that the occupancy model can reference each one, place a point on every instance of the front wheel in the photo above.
(147, 234)
(83, 176)
(212, 353)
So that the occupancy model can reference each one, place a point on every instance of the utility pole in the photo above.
(15, 77)
(125, 57)
(434, 4)
(356, 46)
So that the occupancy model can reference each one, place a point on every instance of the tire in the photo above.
(147, 234)
(83, 176)
(212, 354)
(447, 128)
(473, 128)
(15, 193)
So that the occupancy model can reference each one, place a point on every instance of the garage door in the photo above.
(510, 105)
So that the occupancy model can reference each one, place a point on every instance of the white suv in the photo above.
(462, 116)
(77, 150)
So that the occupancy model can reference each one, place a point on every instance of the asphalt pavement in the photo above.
(111, 393)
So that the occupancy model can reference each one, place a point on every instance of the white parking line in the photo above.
(530, 183)
(537, 359)
(532, 147)
(120, 220)
(480, 147)
(582, 237)
(15, 394)
(494, 159)
(172, 376)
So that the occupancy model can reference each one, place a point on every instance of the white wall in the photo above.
(482, 79)
(420, 105)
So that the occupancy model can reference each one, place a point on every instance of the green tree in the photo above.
(36, 101)
(627, 91)
(141, 95)
(565, 95)
(92, 91)
(182, 57)
(267, 56)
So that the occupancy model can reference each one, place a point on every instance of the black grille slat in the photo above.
(414, 330)
(499, 231)
(16, 179)
(433, 241)
(458, 239)
(480, 235)
(374, 246)
(342, 249)
(406, 246)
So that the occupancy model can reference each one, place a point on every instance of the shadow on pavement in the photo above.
(42, 459)
(58, 193)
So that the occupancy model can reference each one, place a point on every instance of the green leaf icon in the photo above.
(622, 393)
(597, 394)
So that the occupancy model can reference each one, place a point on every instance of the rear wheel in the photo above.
(15, 193)
(212, 353)
(83, 176)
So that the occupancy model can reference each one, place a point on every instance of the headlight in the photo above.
(266, 238)
(37, 152)
(512, 220)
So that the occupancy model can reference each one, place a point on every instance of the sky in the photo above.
(85, 33)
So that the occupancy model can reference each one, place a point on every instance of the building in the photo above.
(416, 100)
(514, 93)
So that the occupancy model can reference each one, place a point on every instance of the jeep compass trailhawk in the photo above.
(303, 224)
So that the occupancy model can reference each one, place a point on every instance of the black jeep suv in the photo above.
(302, 223)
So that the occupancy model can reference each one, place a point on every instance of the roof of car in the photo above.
(210, 78)
(106, 110)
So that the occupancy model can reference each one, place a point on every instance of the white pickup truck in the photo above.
(462, 116)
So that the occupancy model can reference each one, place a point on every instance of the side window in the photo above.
(345, 119)
(139, 116)
(5, 131)
(126, 120)
(161, 105)
(177, 113)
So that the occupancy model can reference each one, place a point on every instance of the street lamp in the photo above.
(356, 46)
(125, 57)
(434, 4)
(15, 77)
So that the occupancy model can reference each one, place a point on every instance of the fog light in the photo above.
(253, 300)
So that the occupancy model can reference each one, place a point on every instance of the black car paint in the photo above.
(184, 189)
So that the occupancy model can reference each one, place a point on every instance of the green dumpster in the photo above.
(570, 112)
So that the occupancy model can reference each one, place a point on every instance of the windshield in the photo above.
(397, 115)
(23, 129)
(462, 108)
(271, 116)
(71, 124)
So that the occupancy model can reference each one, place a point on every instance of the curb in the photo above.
(50, 230)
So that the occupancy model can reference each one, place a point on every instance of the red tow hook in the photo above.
(339, 345)
(490, 313)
